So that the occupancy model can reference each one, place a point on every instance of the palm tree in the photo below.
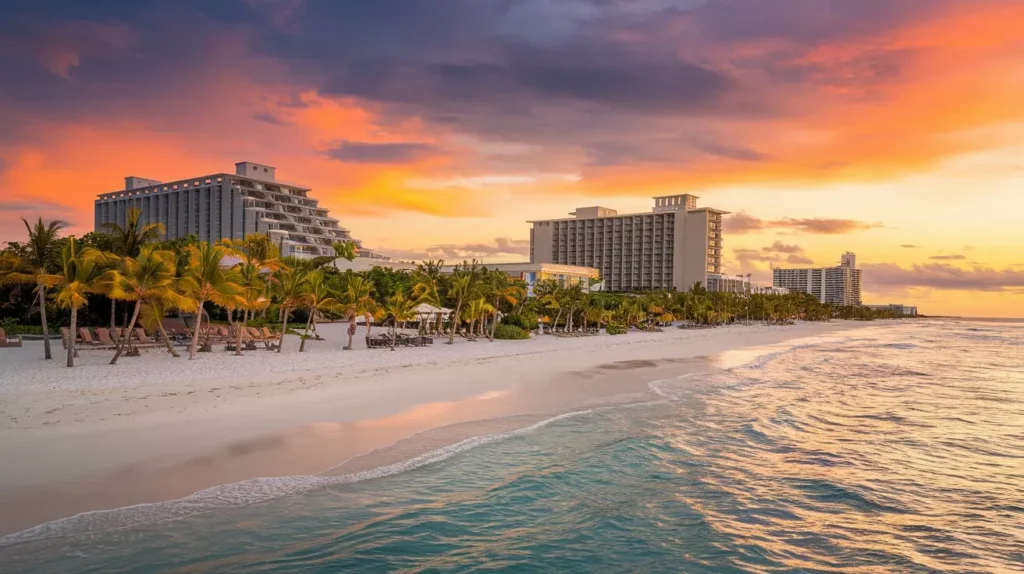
(426, 286)
(128, 242)
(252, 298)
(499, 287)
(153, 312)
(81, 274)
(293, 290)
(358, 302)
(549, 297)
(319, 298)
(205, 280)
(347, 250)
(149, 277)
(36, 266)
(400, 309)
(258, 256)
(463, 286)
(572, 299)
(476, 312)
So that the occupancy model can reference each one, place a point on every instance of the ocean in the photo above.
(894, 448)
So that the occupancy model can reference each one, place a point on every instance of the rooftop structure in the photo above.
(229, 206)
(671, 247)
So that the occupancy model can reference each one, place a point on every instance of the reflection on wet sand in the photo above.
(341, 447)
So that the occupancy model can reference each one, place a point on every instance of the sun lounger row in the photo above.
(384, 341)
(104, 338)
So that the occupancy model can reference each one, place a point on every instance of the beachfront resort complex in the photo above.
(832, 285)
(671, 247)
(229, 206)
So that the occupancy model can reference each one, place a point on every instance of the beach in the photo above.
(155, 428)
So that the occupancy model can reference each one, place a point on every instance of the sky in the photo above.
(437, 128)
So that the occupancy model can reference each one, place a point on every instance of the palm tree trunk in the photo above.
(128, 334)
(195, 332)
(239, 327)
(455, 318)
(113, 314)
(166, 339)
(305, 335)
(494, 324)
(554, 326)
(71, 337)
(42, 317)
(351, 332)
(284, 327)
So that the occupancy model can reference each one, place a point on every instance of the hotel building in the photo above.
(673, 246)
(229, 206)
(833, 285)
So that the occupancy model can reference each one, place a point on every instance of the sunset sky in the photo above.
(436, 128)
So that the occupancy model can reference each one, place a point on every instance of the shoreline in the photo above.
(389, 408)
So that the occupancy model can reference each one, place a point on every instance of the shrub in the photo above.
(510, 332)
(523, 321)
(12, 328)
(615, 329)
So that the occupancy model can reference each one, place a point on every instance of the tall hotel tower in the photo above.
(671, 247)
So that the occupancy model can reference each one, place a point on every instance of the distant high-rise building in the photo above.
(229, 206)
(833, 285)
(671, 247)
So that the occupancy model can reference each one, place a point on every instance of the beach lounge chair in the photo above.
(254, 336)
(11, 341)
(87, 339)
(272, 337)
(105, 340)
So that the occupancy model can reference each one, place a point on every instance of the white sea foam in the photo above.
(247, 492)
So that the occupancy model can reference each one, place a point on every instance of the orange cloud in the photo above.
(953, 77)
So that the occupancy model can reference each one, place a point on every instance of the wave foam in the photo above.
(247, 492)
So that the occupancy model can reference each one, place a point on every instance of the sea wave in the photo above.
(248, 492)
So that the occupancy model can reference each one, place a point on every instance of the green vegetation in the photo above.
(52, 281)
(510, 332)
(520, 320)
(615, 329)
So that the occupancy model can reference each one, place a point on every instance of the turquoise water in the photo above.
(887, 449)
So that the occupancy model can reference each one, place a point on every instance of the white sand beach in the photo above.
(155, 428)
